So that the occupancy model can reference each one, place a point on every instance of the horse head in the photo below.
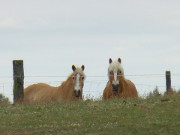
(115, 73)
(78, 78)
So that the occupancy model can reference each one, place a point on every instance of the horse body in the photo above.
(40, 93)
(126, 90)
(118, 86)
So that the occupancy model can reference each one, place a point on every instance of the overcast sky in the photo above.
(51, 35)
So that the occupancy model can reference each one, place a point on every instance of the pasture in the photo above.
(155, 115)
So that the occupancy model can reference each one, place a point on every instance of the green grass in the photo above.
(153, 116)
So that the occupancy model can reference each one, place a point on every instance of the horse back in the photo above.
(129, 89)
(39, 93)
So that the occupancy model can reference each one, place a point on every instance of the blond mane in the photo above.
(115, 66)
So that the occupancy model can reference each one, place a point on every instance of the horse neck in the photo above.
(67, 85)
(121, 84)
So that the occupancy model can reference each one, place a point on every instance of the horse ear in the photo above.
(82, 67)
(73, 68)
(119, 60)
(110, 60)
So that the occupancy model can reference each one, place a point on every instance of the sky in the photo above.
(52, 35)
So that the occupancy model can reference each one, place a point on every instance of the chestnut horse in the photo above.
(71, 89)
(118, 86)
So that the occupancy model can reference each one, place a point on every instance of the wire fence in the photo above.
(94, 85)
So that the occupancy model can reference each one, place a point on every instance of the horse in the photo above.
(69, 90)
(118, 86)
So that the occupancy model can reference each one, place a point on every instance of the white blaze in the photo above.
(77, 87)
(115, 76)
(115, 81)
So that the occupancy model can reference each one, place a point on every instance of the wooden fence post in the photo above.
(168, 81)
(18, 76)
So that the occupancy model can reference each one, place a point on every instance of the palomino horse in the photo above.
(71, 89)
(118, 86)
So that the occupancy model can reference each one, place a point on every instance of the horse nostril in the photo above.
(115, 87)
(79, 92)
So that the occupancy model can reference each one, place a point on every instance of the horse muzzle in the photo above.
(77, 93)
(115, 87)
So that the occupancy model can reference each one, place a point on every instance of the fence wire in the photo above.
(89, 76)
(93, 85)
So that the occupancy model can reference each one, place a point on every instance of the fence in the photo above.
(94, 85)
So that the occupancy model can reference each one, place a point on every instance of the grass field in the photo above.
(153, 116)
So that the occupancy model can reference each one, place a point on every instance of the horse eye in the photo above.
(119, 72)
(82, 78)
(111, 73)
(73, 77)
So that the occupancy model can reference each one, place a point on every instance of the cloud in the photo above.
(173, 59)
(8, 22)
(41, 21)
(35, 23)
(175, 23)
